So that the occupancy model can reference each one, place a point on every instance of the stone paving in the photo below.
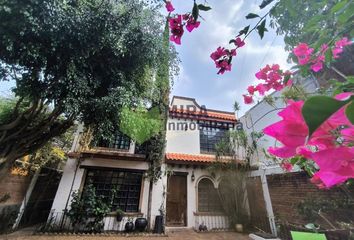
(177, 235)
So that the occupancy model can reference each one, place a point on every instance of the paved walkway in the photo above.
(180, 235)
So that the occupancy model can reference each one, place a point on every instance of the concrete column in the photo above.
(26, 198)
(268, 204)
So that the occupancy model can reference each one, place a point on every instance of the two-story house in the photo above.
(188, 197)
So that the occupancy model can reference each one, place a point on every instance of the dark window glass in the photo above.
(209, 137)
(208, 198)
(118, 186)
(120, 141)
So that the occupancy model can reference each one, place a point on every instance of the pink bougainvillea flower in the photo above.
(233, 52)
(261, 88)
(303, 53)
(222, 59)
(336, 165)
(247, 99)
(176, 27)
(274, 76)
(261, 75)
(336, 52)
(169, 6)
(192, 24)
(317, 66)
(343, 42)
(286, 166)
(224, 66)
(219, 53)
(239, 42)
(347, 135)
(292, 131)
(275, 67)
(251, 89)
(339, 46)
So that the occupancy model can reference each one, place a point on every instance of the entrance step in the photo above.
(171, 230)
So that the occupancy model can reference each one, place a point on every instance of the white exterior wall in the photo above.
(181, 140)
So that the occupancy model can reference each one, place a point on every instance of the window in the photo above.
(120, 141)
(127, 183)
(209, 136)
(208, 198)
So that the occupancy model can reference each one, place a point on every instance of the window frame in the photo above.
(138, 191)
(216, 210)
(206, 144)
(121, 142)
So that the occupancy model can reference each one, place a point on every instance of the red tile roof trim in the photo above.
(205, 114)
(181, 157)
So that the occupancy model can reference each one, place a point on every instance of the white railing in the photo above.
(111, 223)
(211, 221)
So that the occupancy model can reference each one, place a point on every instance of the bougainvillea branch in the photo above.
(178, 21)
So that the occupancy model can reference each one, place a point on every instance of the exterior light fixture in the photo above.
(192, 177)
(239, 126)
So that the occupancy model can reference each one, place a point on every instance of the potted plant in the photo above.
(120, 214)
(140, 224)
(129, 226)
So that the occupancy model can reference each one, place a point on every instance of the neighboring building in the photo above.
(263, 114)
(189, 196)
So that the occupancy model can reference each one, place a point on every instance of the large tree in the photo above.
(72, 60)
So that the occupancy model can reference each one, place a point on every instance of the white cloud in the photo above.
(222, 23)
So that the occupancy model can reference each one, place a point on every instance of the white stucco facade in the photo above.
(182, 137)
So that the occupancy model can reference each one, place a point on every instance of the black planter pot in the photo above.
(158, 224)
(129, 226)
(140, 224)
(119, 217)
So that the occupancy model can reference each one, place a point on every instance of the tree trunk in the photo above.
(27, 133)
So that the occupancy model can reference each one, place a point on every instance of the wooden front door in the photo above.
(176, 206)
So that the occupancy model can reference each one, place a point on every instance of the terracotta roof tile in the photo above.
(207, 113)
(189, 158)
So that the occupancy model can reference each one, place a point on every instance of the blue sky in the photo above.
(198, 78)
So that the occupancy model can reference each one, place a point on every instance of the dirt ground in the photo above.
(179, 235)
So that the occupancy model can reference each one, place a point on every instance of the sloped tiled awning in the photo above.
(208, 115)
(183, 158)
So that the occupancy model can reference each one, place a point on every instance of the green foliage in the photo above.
(202, 7)
(295, 92)
(232, 190)
(318, 109)
(140, 124)
(310, 208)
(88, 210)
(195, 11)
(239, 145)
(79, 60)
(252, 15)
(261, 28)
(346, 86)
(314, 22)
(156, 145)
(6, 108)
(349, 111)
